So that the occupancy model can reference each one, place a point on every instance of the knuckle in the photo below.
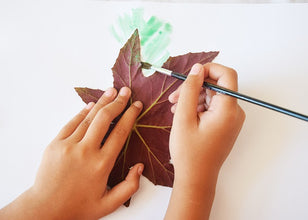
(104, 99)
(81, 150)
(83, 113)
(120, 100)
(121, 131)
(102, 166)
(233, 73)
(83, 153)
(106, 113)
(133, 111)
(100, 105)
(86, 122)
(66, 149)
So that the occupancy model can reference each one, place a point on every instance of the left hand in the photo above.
(72, 180)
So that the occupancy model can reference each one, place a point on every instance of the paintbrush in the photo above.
(229, 92)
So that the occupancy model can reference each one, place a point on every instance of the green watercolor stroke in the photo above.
(154, 35)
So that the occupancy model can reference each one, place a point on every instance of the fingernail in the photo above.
(109, 92)
(138, 104)
(196, 69)
(124, 91)
(173, 109)
(140, 169)
(170, 98)
(90, 105)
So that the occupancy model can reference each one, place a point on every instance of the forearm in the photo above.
(16, 209)
(25, 207)
(192, 199)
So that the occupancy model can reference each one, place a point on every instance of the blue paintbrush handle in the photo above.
(246, 98)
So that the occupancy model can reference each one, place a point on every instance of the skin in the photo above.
(201, 139)
(71, 182)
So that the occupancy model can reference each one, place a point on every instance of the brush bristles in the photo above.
(145, 65)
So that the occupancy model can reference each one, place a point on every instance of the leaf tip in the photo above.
(88, 95)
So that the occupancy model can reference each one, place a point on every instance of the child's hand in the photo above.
(201, 140)
(72, 180)
(204, 138)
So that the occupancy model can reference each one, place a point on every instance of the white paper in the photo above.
(48, 48)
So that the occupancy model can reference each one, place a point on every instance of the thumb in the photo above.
(119, 194)
(186, 111)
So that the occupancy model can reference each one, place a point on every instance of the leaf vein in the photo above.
(155, 102)
(153, 126)
(149, 150)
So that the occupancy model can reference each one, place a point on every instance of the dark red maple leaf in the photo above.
(148, 141)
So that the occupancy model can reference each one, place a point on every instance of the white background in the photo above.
(47, 48)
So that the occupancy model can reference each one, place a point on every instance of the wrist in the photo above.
(27, 206)
(197, 181)
(192, 196)
(195, 174)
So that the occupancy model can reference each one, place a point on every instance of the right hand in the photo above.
(200, 140)
(203, 139)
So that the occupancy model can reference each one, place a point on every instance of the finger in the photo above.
(188, 101)
(203, 101)
(201, 108)
(225, 77)
(105, 99)
(119, 134)
(100, 125)
(202, 97)
(119, 194)
(173, 108)
(70, 127)
(209, 96)
(174, 96)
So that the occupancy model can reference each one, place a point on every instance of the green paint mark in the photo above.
(154, 36)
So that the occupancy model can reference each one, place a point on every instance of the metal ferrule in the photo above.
(162, 70)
